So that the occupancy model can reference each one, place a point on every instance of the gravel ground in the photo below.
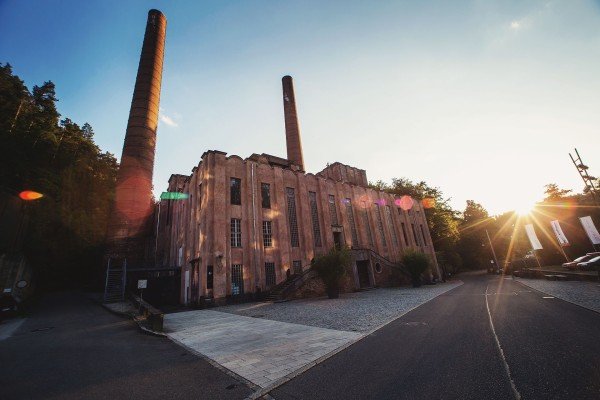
(585, 294)
(359, 312)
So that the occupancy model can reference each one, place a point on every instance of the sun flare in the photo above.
(524, 209)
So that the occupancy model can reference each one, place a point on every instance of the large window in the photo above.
(332, 210)
(404, 233)
(314, 213)
(270, 273)
(292, 220)
(415, 234)
(235, 186)
(267, 233)
(297, 267)
(380, 224)
(388, 212)
(365, 217)
(423, 234)
(265, 191)
(350, 214)
(237, 280)
(236, 232)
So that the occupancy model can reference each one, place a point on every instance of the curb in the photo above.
(134, 318)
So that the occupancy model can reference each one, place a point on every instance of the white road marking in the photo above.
(7, 329)
(547, 297)
(506, 367)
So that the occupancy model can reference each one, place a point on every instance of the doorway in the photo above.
(337, 240)
(362, 268)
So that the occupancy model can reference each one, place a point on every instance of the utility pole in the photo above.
(588, 180)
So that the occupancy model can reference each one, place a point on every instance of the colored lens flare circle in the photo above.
(405, 202)
(28, 195)
(428, 202)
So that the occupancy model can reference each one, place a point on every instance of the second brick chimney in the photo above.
(292, 128)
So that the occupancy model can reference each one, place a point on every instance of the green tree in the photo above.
(67, 226)
(442, 219)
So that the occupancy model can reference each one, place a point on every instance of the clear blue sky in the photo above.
(482, 99)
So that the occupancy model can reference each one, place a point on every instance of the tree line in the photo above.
(460, 237)
(61, 234)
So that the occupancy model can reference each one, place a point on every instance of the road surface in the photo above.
(71, 348)
(447, 349)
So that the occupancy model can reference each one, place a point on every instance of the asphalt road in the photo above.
(447, 349)
(71, 348)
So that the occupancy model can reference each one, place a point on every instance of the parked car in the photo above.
(591, 264)
(574, 264)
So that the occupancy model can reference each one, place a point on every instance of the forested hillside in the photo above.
(63, 232)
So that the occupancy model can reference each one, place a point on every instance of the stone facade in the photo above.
(306, 215)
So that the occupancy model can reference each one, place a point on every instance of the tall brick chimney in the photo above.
(130, 224)
(292, 128)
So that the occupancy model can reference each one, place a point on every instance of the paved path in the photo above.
(259, 350)
(71, 348)
(582, 293)
(450, 347)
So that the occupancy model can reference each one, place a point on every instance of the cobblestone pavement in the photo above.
(359, 312)
(259, 350)
(585, 294)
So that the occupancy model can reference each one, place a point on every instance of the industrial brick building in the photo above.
(248, 221)
(247, 224)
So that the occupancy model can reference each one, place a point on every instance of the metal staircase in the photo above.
(114, 288)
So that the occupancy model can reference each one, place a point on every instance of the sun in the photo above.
(524, 209)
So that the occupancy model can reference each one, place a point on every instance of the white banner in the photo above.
(558, 232)
(533, 239)
(590, 229)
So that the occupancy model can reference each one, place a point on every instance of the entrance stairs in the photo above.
(114, 288)
(285, 289)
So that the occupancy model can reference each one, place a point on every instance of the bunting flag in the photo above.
(533, 239)
(590, 229)
(558, 232)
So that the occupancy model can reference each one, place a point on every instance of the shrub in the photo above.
(415, 263)
(331, 268)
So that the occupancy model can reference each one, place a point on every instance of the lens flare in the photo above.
(29, 195)
(428, 202)
(405, 202)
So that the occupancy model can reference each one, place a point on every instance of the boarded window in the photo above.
(270, 273)
(235, 186)
(292, 220)
(236, 232)
(314, 214)
(265, 191)
(267, 233)
(237, 280)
